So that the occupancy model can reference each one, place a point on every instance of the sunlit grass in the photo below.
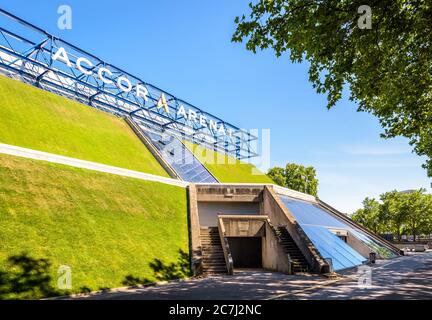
(226, 168)
(36, 119)
(105, 227)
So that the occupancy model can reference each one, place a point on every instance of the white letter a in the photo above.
(61, 55)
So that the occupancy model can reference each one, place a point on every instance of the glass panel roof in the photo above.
(332, 247)
(316, 223)
(180, 158)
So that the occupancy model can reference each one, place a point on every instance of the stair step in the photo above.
(213, 259)
(299, 262)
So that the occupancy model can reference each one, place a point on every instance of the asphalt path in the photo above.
(408, 277)
(404, 278)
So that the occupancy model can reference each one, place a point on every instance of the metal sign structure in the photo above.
(34, 56)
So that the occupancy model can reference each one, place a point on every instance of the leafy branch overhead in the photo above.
(388, 68)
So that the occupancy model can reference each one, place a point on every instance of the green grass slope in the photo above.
(104, 227)
(227, 169)
(36, 119)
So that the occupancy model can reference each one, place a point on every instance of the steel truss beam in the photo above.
(29, 58)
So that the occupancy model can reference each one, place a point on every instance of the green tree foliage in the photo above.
(370, 215)
(393, 212)
(388, 67)
(277, 174)
(418, 211)
(426, 228)
(296, 177)
(398, 213)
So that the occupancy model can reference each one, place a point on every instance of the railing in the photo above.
(225, 246)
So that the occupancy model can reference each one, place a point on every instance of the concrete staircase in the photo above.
(299, 262)
(212, 252)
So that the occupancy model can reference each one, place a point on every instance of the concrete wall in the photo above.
(226, 192)
(273, 255)
(208, 211)
(246, 226)
(359, 246)
(194, 232)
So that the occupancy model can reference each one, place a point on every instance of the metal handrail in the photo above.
(225, 247)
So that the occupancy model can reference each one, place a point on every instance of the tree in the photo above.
(296, 177)
(427, 225)
(417, 212)
(387, 67)
(370, 215)
(277, 174)
(408, 212)
(393, 212)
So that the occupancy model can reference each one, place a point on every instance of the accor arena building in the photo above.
(230, 225)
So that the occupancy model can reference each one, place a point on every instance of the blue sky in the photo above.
(184, 47)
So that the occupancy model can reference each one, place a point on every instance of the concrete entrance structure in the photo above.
(241, 225)
(247, 212)
(254, 243)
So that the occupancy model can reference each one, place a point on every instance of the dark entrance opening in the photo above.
(343, 238)
(246, 251)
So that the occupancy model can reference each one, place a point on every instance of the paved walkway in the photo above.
(244, 285)
(408, 277)
(55, 158)
(405, 278)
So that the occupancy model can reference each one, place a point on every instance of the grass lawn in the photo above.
(226, 168)
(36, 119)
(104, 227)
